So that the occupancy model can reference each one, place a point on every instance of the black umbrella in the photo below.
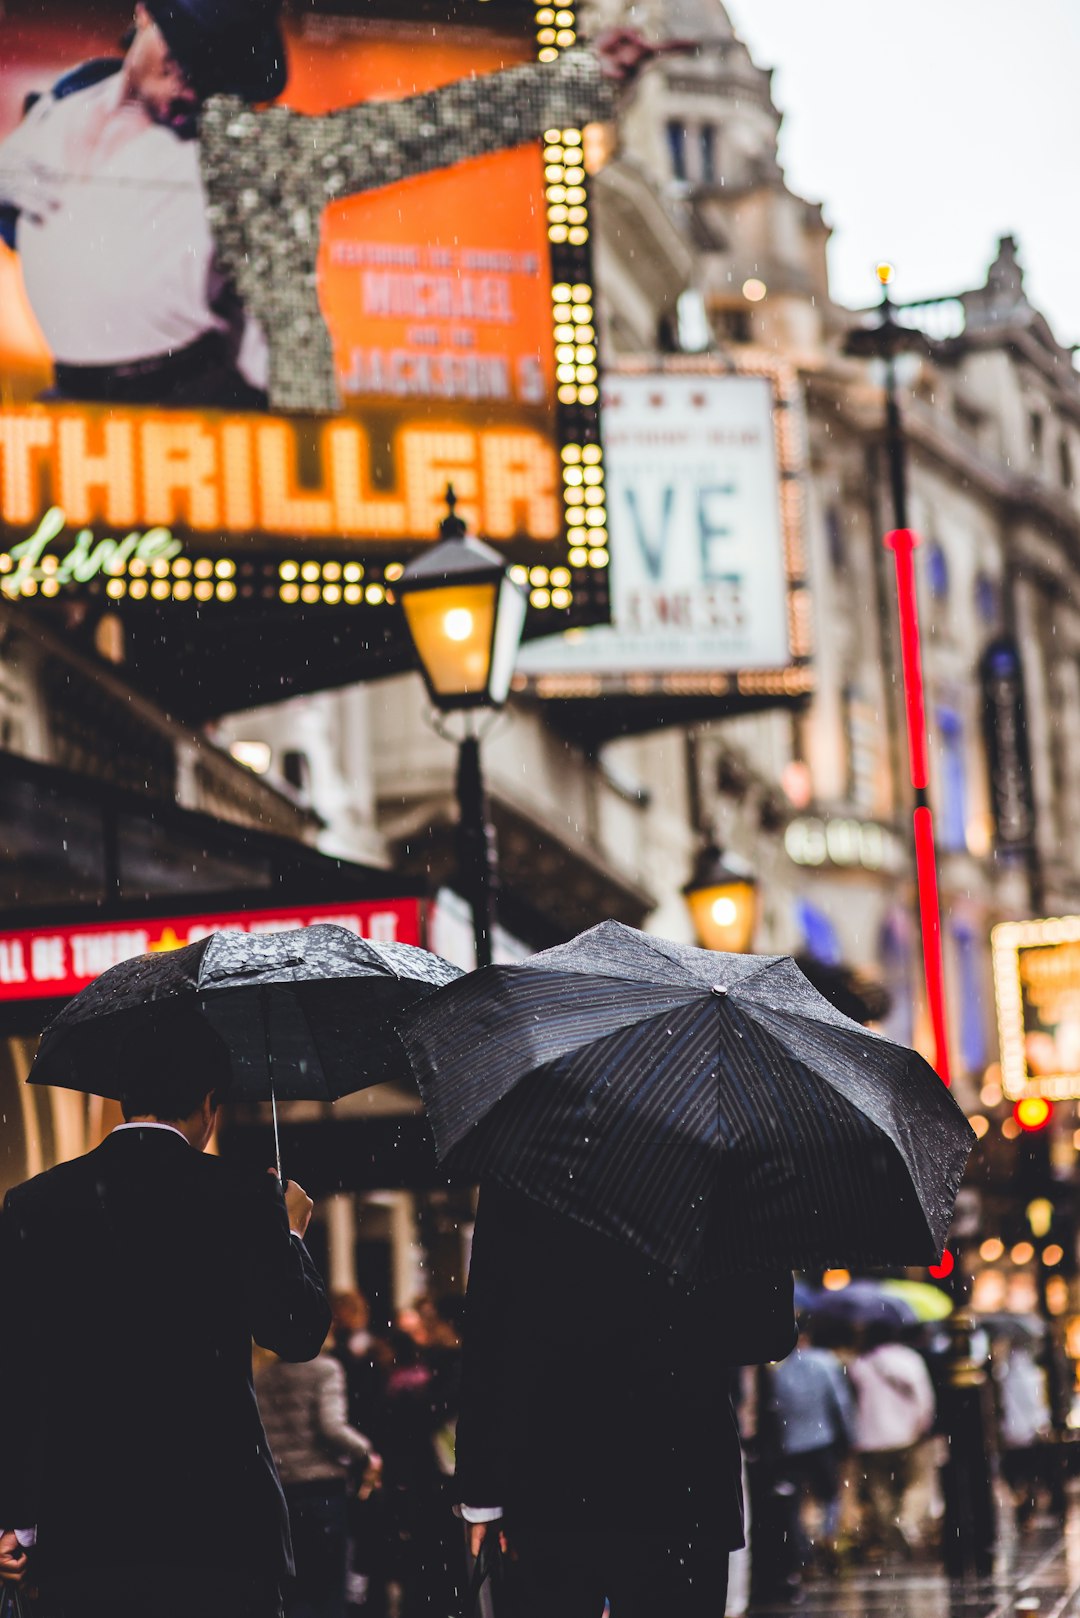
(307, 1014)
(713, 1110)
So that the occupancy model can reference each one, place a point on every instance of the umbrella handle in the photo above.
(267, 1047)
(277, 1138)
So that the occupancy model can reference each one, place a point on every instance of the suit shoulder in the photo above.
(52, 1186)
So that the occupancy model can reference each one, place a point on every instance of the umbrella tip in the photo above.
(719, 988)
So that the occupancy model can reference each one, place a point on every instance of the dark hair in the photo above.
(167, 1065)
(451, 1309)
(876, 1333)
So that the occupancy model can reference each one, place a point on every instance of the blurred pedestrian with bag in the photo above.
(815, 1412)
(305, 1414)
(895, 1412)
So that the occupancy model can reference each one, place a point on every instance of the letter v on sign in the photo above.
(652, 537)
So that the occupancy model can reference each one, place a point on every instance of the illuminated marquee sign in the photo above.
(54, 962)
(398, 326)
(1037, 987)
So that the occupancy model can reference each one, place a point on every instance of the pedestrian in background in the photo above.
(895, 1411)
(1023, 1425)
(815, 1415)
(305, 1414)
(366, 1359)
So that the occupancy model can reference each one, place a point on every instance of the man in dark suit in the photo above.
(134, 1280)
(596, 1416)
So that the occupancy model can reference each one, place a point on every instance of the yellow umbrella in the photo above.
(929, 1303)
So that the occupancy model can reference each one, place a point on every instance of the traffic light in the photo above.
(1033, 1113)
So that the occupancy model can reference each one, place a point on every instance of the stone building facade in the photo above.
(700, 244)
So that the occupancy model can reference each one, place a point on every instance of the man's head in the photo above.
(174, 1070)
(156, 79)
(182, 51)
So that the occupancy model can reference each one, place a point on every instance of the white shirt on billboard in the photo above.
(117, 255)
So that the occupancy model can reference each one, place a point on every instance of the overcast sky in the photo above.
(928, 130)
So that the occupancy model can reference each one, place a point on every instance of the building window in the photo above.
(862, 725)
(937, 571)
(709, 167)
(819, 936)
(1065, 464)
(834, 534)
(676, 137)
(1035, 424)
(988, 600)
(896, 952)
(952, 820)
(973, 1043)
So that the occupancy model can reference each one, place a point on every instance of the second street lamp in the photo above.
(465, 616)
(721, 896)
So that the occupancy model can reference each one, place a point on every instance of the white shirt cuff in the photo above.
(480, 1513)
(27, 1537)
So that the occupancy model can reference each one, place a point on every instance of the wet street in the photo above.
(1040, 1575)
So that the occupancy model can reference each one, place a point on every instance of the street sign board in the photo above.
(1037, 987)
(708, 592)
(55, 962)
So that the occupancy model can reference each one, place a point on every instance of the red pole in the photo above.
(902, 543)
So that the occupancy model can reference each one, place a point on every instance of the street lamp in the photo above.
(721, 897)
(465, 616)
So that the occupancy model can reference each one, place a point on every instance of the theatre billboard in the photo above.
(240, 361)
(709, 597)
(1037, 988)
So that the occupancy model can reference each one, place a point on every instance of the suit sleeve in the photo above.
(481, 1475)
(758, 1314)
(20, 1376)
(288, 1311)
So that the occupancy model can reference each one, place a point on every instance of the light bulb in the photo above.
(458, 623)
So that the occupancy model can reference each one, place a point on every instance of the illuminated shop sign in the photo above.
(370, 343)
(1037, 987)
(53, 962)
(704, 506)
(854, 844)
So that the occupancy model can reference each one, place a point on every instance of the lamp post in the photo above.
(721, 897)
(465, 616)
(970, 1524)
(887, 340)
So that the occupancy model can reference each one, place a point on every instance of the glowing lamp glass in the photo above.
(465, 615)
(722, 901)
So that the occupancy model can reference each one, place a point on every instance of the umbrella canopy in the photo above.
(713, 1110)
(929, 1303)
(860, 1303)
(1017, 1328)
(307, 1014)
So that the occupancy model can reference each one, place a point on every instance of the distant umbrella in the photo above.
(307, 1014)
(862, 1302)
(928, 1302)
(712, 1110)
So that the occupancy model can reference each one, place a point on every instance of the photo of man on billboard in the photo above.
(102, 198)
(166, 222)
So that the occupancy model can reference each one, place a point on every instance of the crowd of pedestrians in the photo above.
(363, 1437)
(843, 1435)
(846, 1445)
